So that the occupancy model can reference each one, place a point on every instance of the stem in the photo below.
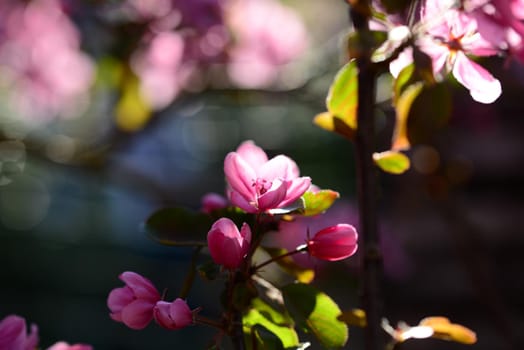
(236, 330)
(208, 322)
(300, 249)
(366, 186)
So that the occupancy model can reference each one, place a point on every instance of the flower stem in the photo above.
(208, 322)
(300, 249)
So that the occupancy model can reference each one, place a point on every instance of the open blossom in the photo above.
(13, 334)
(174, 315)
(451, 35)
(228, 246)
(133, 304)
(333, 243)
(257, 184)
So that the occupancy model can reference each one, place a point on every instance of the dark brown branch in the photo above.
(371, 273)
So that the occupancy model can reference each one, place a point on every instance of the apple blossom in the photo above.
(333, 243)
(257, 184)
(228, 246)
(133, 304)
(13, 334)
(448, 36)
(174, 315)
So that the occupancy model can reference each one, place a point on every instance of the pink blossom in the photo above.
(41, 65)
(334, 243)
(212, 202)
(260, 47)
(174, 315)
(65, 346)
(257, 184)
(133, 304)
(13, 334)
(451, 35)
(227, 245)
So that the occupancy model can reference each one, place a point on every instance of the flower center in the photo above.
(261, 186)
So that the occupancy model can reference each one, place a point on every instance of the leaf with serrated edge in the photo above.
(316, 312)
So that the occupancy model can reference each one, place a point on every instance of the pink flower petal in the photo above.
(118, 298)
(296, 188)
(138, 314)
(141, 286)
(240, 175)
(280, 167)
(252, 154)
(273, 197)
(239, 201)
(482, 86)
(180, 313)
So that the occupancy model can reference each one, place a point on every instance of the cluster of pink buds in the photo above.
(138, 302)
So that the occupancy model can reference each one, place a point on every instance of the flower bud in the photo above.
(174, 315)
(213, 201)
(13, 334)
(133, 304)
(334, 243)
(227, 245)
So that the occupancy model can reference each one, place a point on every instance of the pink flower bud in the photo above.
(227, 245)
(13, 334)
(213, 201)
(65, 346)
(334, 243)
(133, 304)
(174, 315)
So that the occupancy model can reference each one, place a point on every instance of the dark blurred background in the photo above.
(91, 145)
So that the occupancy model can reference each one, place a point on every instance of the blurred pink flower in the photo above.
(267, 35)
(174, 315)
(159, 65)
(228, 246)
(212, 202)
(65, 346)
(41, 65)
(257, 184)
(333, 243)
(133, 304)
(13, 334)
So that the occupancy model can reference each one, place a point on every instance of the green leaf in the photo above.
(316, 312)
(341, 102)
(302, 274)
(392, 162)
(269, 328)
(403, 108)
(318, 202)
(178, 227)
